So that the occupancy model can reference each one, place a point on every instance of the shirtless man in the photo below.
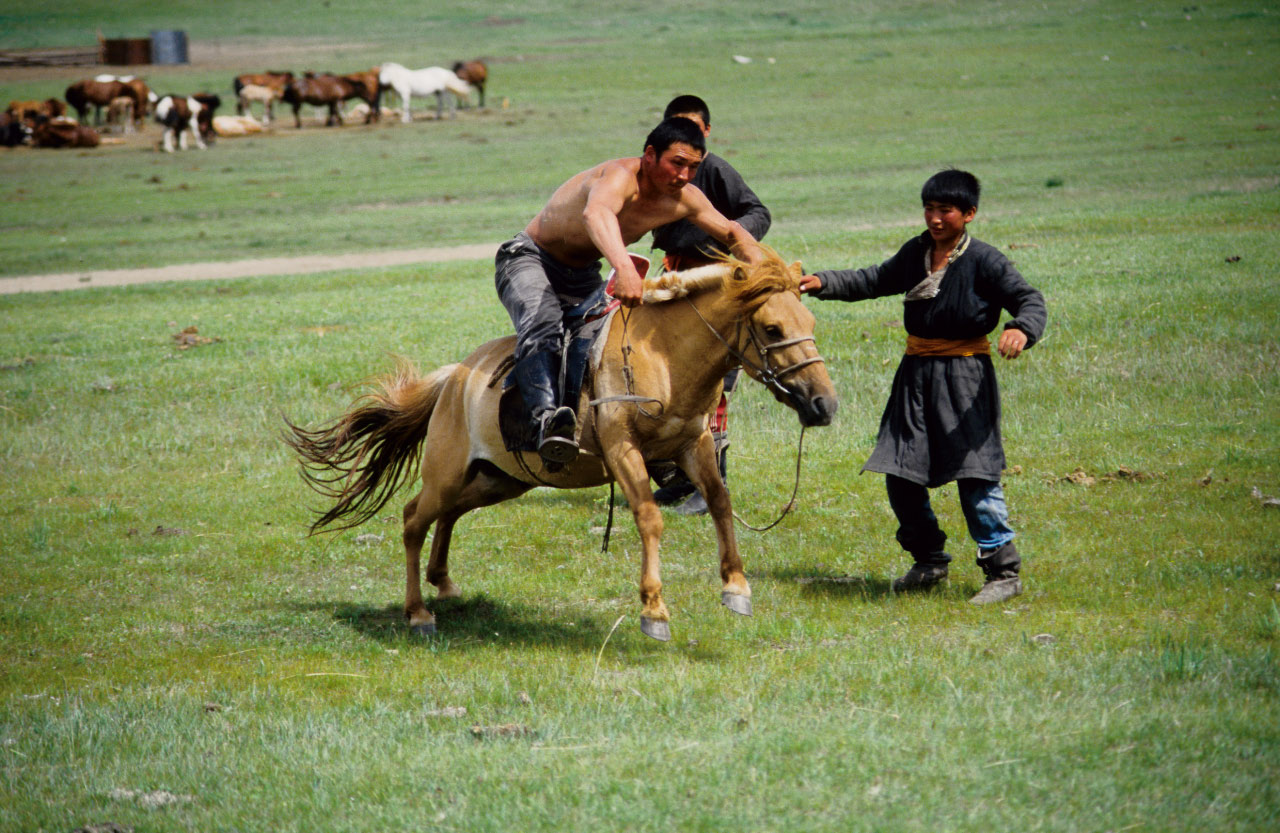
(554, 264)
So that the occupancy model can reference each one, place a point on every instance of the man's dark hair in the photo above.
(675, 130)
(952, 187)
(688, 104)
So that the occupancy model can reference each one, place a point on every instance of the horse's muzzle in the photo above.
(815, 411)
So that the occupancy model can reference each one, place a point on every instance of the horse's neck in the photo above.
(693, 332)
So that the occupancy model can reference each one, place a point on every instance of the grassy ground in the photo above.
(176, 655)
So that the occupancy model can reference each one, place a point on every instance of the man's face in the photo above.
(675, 167)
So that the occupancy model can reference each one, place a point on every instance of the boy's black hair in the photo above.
(688, 104)
(675, 130)
(952, 187)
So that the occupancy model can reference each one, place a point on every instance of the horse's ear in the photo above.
(739, 273)
(796, 270)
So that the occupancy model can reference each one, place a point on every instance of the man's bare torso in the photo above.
(560, 229)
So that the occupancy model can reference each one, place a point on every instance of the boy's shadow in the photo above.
(825, 583)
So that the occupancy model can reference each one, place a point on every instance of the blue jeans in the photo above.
(984, 508)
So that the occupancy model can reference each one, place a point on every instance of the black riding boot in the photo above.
(537, 376)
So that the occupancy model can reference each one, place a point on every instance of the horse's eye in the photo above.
(773, 331)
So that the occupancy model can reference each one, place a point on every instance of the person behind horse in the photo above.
(686, 246)
(942, 422)
(554, 264)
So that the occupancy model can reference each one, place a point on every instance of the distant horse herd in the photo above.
(188, 120)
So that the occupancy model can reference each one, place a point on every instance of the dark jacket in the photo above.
(730, 196)
(942, 421)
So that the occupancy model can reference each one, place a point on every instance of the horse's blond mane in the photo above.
(744, 283)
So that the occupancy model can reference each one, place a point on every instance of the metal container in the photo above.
(169, 46)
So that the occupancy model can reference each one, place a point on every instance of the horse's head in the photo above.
(776, 339)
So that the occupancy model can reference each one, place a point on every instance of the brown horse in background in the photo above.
(328, 90)
(98, 94)
(474, 73)
(647, 398)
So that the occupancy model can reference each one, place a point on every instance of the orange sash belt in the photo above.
(977, 346)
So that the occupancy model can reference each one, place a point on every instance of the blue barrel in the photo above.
(169, 46)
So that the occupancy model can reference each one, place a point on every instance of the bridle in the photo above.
(764, 371)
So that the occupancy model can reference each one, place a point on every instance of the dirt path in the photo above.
(232, 269)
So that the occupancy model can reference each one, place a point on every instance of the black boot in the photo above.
(928, 572)
(1000, 566)
(537, 375)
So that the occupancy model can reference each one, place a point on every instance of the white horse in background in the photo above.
(423, 82)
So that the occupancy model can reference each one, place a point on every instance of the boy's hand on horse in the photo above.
(810, 283)
(1012, 342)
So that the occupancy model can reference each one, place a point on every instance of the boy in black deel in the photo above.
(942, 422)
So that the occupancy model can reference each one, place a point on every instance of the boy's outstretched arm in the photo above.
(1012, 342)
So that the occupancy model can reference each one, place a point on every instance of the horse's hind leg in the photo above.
(415, 533)
(486, 486)
(449, 491)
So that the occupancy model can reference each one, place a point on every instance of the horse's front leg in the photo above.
(699, 462)
(630, 472)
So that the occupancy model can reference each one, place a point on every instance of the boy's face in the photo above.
(946, 222)
(696, 118)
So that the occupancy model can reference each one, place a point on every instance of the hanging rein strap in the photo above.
(628, 374)
(791, 504)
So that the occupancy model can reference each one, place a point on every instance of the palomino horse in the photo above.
(658, 378)
(424, 82)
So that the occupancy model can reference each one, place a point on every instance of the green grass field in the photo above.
(175, 654)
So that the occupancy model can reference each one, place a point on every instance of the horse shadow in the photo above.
(468, 621)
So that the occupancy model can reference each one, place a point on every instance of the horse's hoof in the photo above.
(655, 628)
(424, 631)
(740, 605)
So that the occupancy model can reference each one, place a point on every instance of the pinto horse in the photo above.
(327, 90)
(424, 82)
(647, 398)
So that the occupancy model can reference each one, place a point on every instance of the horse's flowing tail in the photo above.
(361, 458)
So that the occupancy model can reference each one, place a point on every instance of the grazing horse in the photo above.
(180, 117)
(143, 98)
(423, 82)
(271, 80)
(98, 94)
(474, 73)
(647, 398)
(120, 112)
(266, 96)
(327, 90)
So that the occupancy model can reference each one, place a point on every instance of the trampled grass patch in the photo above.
(178, 655)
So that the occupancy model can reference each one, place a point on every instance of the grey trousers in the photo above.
(537, 291)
